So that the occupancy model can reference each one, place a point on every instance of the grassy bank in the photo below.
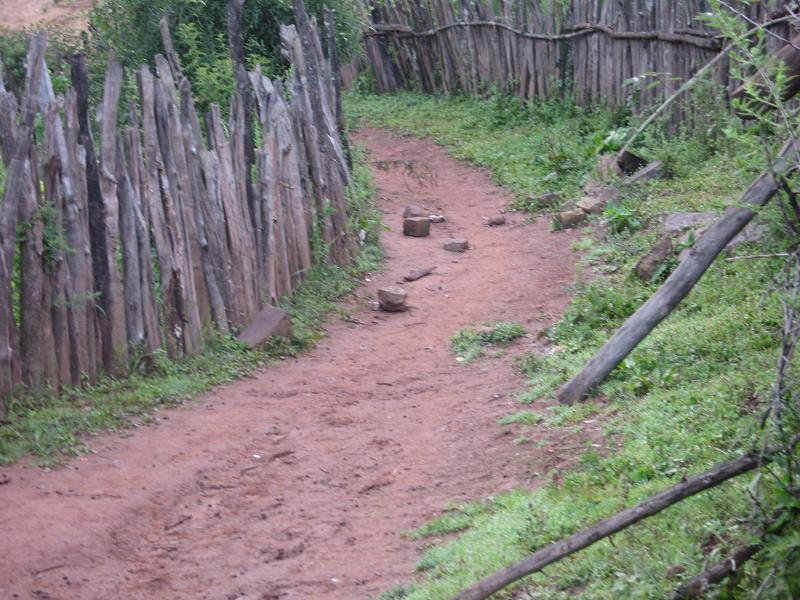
(690, 396)
(51, 427)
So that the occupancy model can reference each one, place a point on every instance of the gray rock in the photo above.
(593, 206)
(436, 218)
(456, 245)
(268, 323)
(419, 273)
(392, 299)
(497, 220)
(417, 226)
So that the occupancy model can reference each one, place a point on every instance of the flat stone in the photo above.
(660, 252)
(679, 222)
(593, 206)
(569, 218)
(497, 220)
(652, 171)
(456, 245)
(412, 210)
(269, 322)
(436, 218)
(417, 226)
(392, 299)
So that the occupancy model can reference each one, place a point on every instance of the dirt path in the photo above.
(298, 483)
(66, 15)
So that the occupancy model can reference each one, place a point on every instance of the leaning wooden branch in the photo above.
(701, 39)
(622, 520)
(689, 83)
(680, 283)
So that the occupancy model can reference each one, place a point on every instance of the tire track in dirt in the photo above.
(298, 483)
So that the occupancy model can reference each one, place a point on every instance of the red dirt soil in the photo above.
(299, 482)
(66, 15)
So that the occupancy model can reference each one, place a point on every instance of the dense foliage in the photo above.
(199, 29)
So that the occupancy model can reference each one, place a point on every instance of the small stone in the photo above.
(412, 210)
(419, 273)
(497, 220)
(436, 218)
(648, 265)
(456, 245)
(593, 206)
(569, 218)
(417, 226)
(392, 299)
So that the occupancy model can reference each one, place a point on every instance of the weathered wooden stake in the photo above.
(679, 284)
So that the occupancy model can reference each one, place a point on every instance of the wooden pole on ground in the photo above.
(586, 537)
(679, 284)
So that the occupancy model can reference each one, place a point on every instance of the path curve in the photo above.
(299, 482)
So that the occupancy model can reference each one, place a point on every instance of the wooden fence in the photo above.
(601, 51)
(165, 231)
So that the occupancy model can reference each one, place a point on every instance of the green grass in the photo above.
(470, 342)
(52, 427)
(690, 396)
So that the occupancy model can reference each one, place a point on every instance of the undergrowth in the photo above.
(51, 427)
(690, 396)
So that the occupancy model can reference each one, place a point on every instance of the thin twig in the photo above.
(755, 256)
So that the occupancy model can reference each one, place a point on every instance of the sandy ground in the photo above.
(298, 483)
(58, 14)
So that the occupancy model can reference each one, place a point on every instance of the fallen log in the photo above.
(680, 283)
(622, 520)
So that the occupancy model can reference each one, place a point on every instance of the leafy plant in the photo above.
(621, 219)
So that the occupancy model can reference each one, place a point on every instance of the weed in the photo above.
(470, 343)
(525, 417)
(621, 219)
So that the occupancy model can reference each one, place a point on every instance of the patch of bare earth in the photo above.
(66, 15)
(298, 483)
